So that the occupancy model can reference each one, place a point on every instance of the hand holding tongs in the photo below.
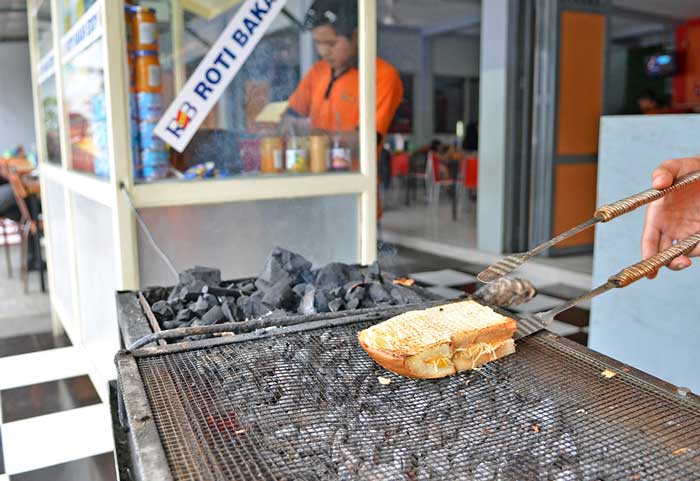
(533, 323)
(605, 213)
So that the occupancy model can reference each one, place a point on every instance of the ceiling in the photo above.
(13, 20)
(427, 13)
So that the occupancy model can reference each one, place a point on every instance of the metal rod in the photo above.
(151, 318)
(548, 316)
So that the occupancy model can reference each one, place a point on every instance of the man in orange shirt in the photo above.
(329, 95)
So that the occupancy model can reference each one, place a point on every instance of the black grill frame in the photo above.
(147, 451)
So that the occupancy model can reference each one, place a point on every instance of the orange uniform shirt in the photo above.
(334, 104)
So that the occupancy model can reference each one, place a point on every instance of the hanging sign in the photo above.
(216, 71)
(85, 31)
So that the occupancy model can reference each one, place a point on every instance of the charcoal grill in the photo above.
(304, 403)
(137, 322)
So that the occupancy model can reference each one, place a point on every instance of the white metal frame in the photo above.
(112, 193)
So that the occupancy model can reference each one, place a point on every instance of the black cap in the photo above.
(339, 14)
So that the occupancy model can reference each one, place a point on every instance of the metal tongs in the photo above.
(605, 213)
(533, 323)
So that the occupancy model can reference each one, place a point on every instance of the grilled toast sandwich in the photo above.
(440, 341)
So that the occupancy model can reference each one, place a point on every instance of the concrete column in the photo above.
(423, 116)
(493, 125)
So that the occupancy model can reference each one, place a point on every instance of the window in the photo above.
(448, 95)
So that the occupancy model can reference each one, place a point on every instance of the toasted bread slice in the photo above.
(440, 341)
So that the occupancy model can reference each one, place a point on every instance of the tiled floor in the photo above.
(53, 426)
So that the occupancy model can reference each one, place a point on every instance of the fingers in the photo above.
(664, 176)
(651, 236)
(680, 263)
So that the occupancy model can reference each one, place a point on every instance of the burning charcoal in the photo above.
(379, 294)
(352, 304)
(213, 316)
(162, 311)
(333, 274)
(200, 307)
(335, 305)
(184, 315)
(306, 306)
(167, 325)
(280, 294)
(228, 307)
(404, 295)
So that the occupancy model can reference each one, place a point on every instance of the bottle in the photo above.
(296, 156)
(341, 156)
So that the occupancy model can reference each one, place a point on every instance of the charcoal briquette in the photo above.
(280, 294)
(333, 274)
(320, 301)
(200, 307)
(228, 307)
(306, 306)
(404, 295)
(211, 300)
(246, 288)
(162, 311)
(352, 304)
(335, 305)
(299, 289)
(262, 285)
(167, 325)
(378, 293)
(184, 315)
(213, 316)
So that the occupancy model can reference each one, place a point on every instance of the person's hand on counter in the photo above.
(294, 126)
(674, 217)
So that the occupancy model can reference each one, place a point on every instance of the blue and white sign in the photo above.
(204, 88)
(46, 68)
(85, 31)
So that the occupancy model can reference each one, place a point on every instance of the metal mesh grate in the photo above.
(308, 406)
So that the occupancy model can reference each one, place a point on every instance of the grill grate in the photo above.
(308, 406)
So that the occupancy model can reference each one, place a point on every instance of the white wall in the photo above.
(652, 325)
(16, 107)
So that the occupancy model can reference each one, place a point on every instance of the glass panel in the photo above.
(322, 229)
(283, 112)
(72, 10)
(84, 96)
(55, 215)
(44, 27)
(49, 107)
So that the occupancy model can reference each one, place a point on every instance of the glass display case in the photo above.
(256, 172)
